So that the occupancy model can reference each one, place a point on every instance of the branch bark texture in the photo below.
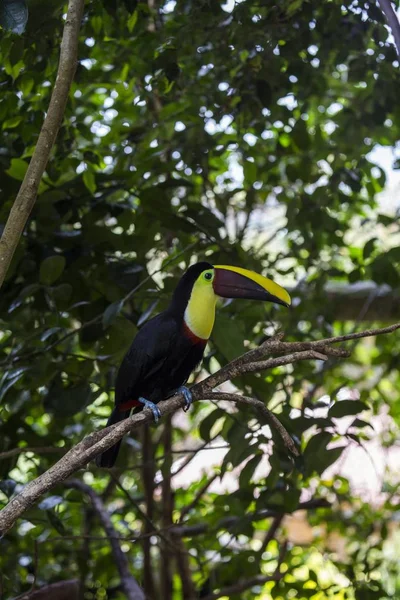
(27, 194)
(97, 442)
(61, 590)
(131, 588)
(392, 20)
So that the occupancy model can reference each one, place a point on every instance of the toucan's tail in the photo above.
(108, 458)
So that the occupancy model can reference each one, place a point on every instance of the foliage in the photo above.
(239, 134)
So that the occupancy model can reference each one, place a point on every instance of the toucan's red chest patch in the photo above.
(192, 336)
(129, 404)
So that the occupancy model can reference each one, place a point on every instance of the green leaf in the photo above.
(228, 335)
(56, 522)
(49, 332)
(18, 168)
(207, 424)
(10, 378)
(369, 248)
(89, 180)
(51, 269)
(248, 470)
(317, 443)
(383, 271)
(132, 21)
(112, 312)
(344, 408)
(11, 124)
(327, 458)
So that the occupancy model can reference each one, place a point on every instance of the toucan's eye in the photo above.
(208, 275)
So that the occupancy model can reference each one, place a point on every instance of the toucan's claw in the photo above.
(187, 394)
(154, 408)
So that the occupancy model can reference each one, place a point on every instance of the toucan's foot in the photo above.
(187, 394)
(154, 408)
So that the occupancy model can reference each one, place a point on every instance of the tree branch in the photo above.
(182, 559)
(229, 522)
(148, 486)
(271, 533)
(392, 20)
(131, 588)
(26, 197)
(269, 416)
(99, 441)
(33, 449)
(167, 512)
(61, 590)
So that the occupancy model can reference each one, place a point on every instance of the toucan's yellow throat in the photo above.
(226, 282)
(200, 311)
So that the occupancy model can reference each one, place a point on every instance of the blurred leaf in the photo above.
(345, 408)
(50, 502)
(112, 312)
(89, 180)
(18, 168)
(51, 269)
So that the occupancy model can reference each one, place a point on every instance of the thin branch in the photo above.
(271, 533)
(33, 449)
(131, 588)
(179, 531)
(97, 442)
(61, 590)
(148, 479)
(182, 559)
(167, 512)
(233, 521)
(269, 416)
(393, 21)
(27, 194)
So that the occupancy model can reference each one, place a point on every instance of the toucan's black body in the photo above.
(168, 347)
(160, 359)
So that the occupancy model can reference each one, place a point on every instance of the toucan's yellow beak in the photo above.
(235, 282)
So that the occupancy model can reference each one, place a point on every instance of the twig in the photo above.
(230, 522)
(167, 512)
(393, 21)
(98, 442)
(271, 533)
(26, 197)
(131, 588)
(263, 410)
(179, 531)
(62, 590)
(33, 449)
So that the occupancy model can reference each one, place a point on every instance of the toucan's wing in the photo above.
(146, 356)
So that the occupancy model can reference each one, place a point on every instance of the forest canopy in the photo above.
(240, 133)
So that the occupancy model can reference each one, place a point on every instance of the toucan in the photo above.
(170, 345)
